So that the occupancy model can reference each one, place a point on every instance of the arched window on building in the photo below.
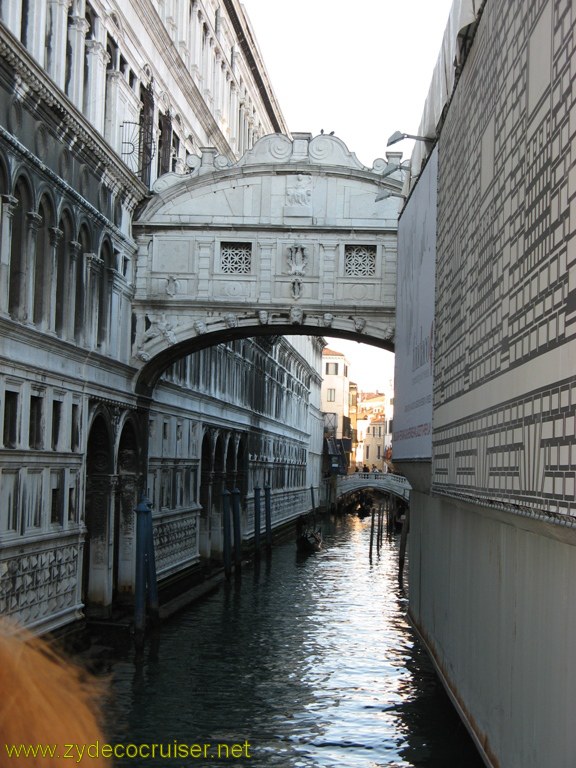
(18, 252)
(164, 143)
(104, 294)
(80, 309)
(43, 265)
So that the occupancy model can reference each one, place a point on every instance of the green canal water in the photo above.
(297, 664)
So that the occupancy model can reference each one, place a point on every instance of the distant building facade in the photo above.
(336, 391)
(98, 100)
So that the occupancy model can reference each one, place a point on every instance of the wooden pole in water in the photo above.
(403, 542)
(371, 532)
(268, 513)
(140, 587)
(389, 515)
(257, 511)
(226, 532)
(236, 526)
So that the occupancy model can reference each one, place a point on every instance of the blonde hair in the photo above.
(45, 700)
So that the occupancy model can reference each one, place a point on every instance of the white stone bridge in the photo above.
(289, 240)
(396, 485)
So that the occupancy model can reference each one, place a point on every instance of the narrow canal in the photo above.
(300, 663)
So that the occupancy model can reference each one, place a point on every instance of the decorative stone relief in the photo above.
(327, 320)
(200, 327)
(271, 148)
(41, 584)
(171, 286)
(300, 192)
(296, 288)
(331, 150)
(264, 317)
(231, 320)
(175, 541)
(297, 259)
(359, 323)
(296, 315)
(360, 260)
(160, 327)
(236, 258)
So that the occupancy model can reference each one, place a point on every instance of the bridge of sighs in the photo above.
(288, 240)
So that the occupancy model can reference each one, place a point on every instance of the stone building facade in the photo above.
(97, 100)
(493, 521)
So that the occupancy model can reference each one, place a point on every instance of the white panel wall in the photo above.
(494, 594)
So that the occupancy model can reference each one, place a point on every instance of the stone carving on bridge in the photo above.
(327, 319)
(296, 288)
(231, 320)
(200, 327)
(159, 326)
(264, 317)
(296, 316)
(297, 259)
(300, 193)
(359, 324)
(171, 286)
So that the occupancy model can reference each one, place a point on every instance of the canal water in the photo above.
(300, 663)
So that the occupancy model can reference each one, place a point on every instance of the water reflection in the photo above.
(309, 661)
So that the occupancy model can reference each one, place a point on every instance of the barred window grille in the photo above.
(360, 260)
(236, 258)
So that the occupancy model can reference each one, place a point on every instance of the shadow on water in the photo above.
(310, 662)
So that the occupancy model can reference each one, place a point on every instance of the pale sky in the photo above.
(361, 69)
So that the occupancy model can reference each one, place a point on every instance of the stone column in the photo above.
(196, 45)
(8, 206)
(116, 283)
(94, 266)
(94, 97)
(114, 114)
(77, 40)
(233, 117)
(217, 89)
(11, 15)
(36, 31)
(27, 284)
(70, 312)
(51, 278)
(58, 33)
(241, 124)
(80, 315)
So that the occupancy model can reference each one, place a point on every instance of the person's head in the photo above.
(46, 700)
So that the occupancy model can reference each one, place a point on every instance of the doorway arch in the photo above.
(100, 481)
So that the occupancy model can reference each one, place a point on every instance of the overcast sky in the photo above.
(361, 69)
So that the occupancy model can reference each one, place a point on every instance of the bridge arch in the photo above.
(289, 240)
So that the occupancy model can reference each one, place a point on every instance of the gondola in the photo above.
(308, 542)
(308, 539)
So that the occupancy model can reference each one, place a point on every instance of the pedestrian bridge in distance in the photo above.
(297, 237)
(396, 485)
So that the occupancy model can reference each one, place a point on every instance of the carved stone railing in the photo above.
(40, 580)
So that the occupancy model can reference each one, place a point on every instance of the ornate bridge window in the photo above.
(360, 260)
(236, 258)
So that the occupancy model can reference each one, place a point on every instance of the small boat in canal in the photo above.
(308, 539)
